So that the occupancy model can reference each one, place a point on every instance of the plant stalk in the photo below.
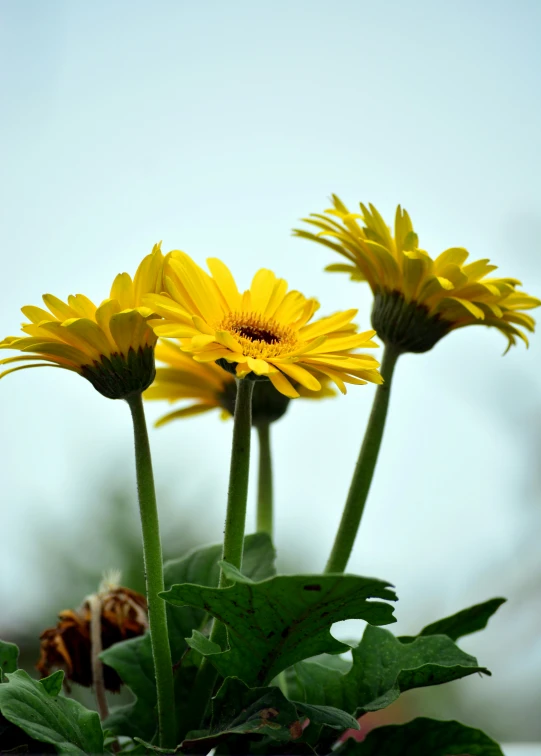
(237, 495)
(153, 561)
(94, 604)
(264, 483)
(364, 469)
(233, 543)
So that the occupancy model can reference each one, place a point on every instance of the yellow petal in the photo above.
(59, 308)
(261, 289)
(193, 409)
(225, 282)
(122, 291)
(301, 375)
(328, 324)
(281, 384)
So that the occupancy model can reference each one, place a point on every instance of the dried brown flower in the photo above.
(68, 645)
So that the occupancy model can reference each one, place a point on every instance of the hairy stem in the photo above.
(152, 552)
(264, 483)
(364, 469)
(233, 542)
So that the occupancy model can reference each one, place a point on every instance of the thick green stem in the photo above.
(233, 542)
(237, 495)
(152, 553)
(264, 483)
(364, 469)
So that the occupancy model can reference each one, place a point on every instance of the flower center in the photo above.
(259, 336)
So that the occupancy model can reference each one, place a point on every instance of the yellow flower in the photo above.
(212, 388)
(111, 345)
(417, 299)
(264, 332)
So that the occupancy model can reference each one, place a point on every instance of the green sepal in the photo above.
(277, 622)
(423, 737)
(49, 718)
(383, 668)
(462, 623)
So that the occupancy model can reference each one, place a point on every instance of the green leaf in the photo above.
(132, 659)
(49, 718)
(423, 737)
(146, 747)
(239, 711)
(328, 716)
(383, 667)
(202, 644)
(462, 623)
(277, 622)
(53, 683)
(202, 567)
(9, 657)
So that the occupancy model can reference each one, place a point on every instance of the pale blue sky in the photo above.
(214, 126)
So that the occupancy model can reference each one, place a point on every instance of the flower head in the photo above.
(419, 299)
(68, 644)
(111, 345)
(212, 388)
(262, 333)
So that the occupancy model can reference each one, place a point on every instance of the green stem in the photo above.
(233, 544)
(364, 469)
(237, 495)
(264, 484)
(152, 553)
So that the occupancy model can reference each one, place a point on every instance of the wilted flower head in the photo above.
(418, 299)
(112, 345)
(68, 645)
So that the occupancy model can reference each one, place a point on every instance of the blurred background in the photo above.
(214, 126)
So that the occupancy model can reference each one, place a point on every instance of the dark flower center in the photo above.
(258, 334)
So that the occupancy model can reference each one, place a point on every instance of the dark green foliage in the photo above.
(133, 659)
(37, 709)
(462, 623)
(383, 667)
(423, 737)
(277, 622)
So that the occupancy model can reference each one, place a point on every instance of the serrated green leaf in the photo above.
(64, 723)
(423, 737)
(462, 623)
(132, 659)
(201, 566)
(9, 657)
(277, 622)
(383, 667)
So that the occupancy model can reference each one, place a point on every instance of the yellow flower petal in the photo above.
(281, 384)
